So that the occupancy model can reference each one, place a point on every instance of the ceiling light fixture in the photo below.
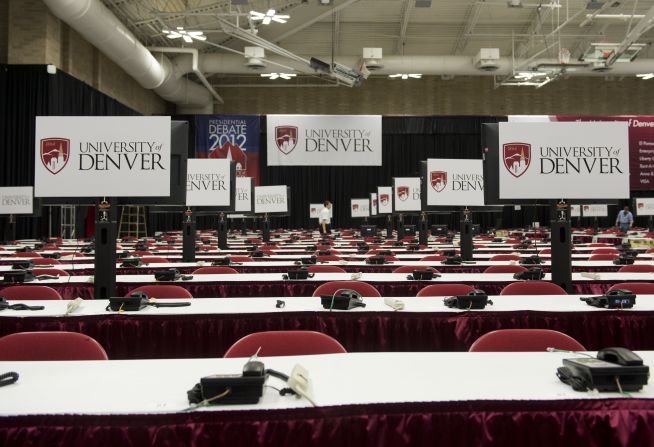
(270, 16)
(406, 76)
(188, 36)
(273, 76)
(645, 76)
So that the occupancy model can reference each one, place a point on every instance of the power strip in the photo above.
(590, 275)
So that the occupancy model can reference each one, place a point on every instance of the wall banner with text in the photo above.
(234, 137)
(324, 140)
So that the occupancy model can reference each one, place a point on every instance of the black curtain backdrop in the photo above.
(406, 141)
(28, 91)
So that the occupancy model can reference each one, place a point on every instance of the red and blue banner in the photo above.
(235, 137)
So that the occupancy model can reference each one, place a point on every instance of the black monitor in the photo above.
(368, 230)
(409, 230)
(476, 229)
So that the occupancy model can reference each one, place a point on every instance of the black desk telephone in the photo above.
(614, 369)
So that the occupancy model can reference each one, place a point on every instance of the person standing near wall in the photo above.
(324, 219)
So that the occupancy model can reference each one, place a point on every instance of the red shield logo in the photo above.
(55, 153)
(374, 203)
(403, 193)
(355, 207)
(232, 152)
(438, 180)
(517, 158)
(641, 205)
(313, 210)
(586, 208)
(383, 198)
(286, 138)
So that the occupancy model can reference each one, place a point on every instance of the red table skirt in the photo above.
(138, 336)
(289, 289)
(605, 422)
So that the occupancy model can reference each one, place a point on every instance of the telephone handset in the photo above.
(614, 369)
(620, 356)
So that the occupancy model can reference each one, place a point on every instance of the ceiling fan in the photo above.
(406, 76)
(188, 36)
(270, 16)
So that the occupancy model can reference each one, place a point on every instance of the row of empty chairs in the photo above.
(165, 291)
(49, 346)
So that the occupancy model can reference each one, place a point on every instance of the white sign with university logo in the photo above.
(271, 199)
(385, 199)
(595, 210)
(569, 160)
(360, 207)
(97, 156)
(243, 197)
(208, 182)
(644, 206)
(314, 210)
(575, 211)
(373, 204)
(455, 182)
(406, 194)
(324, 140)
(16, 200)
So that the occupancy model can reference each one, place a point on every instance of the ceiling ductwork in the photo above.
(101, 28)
(227, 64)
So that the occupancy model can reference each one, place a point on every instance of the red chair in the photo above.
(25, 254)
(604, 251)
(51, 272)
(445, 290)
(649, 250)
(45, 261)
(599, 244)
(411, 268)
(332, 287)
(154, 260)
(50, 346)
(327, 258)
(637, 268)
(215, 270)
(142, 253)
(545, 251)
(331, 251)
(533, 288)
(505, 269)
(277, 343)
(603, 257)
(241, 259)
(433, 258)
(325, 269)
(525, 340)
(162, 291)
(505, 258)
(27, 292)
(644, 288)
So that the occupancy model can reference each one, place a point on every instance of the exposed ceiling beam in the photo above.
(632, 36)
(472, 17)
(407, 7)
(337, 32)
(317, 18)
(534, 30)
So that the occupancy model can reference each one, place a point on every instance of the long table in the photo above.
(363, 399)
(272, 284)
(210, 326)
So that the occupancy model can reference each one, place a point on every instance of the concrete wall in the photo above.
(35, 36)
(435, 96)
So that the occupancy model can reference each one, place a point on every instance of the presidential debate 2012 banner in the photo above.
(324, 140)
(641, 143)
(234, 137)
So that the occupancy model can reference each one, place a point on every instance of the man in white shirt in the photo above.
(324, 218)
